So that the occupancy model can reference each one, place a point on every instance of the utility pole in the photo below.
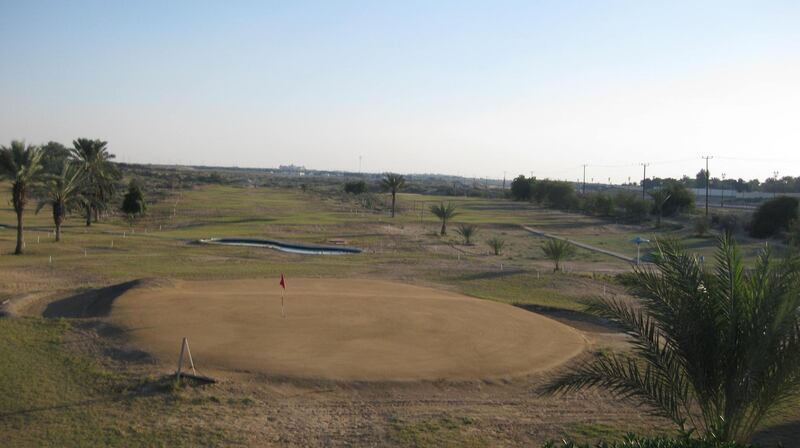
(722, 200)
(708, 177)
(583, 190)
(644, 177)
(775, 185)
(504, 181)
(359, 164)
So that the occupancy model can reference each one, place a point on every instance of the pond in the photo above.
(294, 248)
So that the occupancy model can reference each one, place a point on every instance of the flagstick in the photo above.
(282, 313)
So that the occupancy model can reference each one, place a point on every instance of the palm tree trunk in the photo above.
(20, 236)
(88, 216)
(444, 227)
(394, 195)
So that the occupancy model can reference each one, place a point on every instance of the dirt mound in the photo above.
(342, 330)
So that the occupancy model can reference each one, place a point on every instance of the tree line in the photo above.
(82, 179)
(668, 200)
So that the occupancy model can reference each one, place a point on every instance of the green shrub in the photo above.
(497, 244)
(701, 226)
(355, 187)
(467, 231)
(634, 208)
(726, 222)
(600, 204)
(773, 216)
(558, 251)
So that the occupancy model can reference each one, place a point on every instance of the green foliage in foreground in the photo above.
(714, 351)
(633, 441)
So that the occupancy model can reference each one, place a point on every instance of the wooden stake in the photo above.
(185, 348)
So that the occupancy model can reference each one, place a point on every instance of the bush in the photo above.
(558, 251)
(634, 208)
(467, 231)
(496, 244)
(773, 216)
(726, 222)
(680, 200)
(634, 441)
(701, 226)
(600, 204)
(355, 187)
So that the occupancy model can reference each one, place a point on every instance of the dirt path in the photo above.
(343, 330)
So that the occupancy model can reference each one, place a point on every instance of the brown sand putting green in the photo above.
(342, 329)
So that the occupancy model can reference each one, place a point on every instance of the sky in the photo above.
(478, 89)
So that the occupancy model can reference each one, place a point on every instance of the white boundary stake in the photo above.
(185, 347)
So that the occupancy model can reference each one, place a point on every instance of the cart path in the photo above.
(579, 244)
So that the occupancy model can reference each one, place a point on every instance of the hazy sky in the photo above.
(460, 87)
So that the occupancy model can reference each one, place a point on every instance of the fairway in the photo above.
(364, 330)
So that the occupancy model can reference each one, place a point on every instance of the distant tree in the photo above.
(521, 188)
(558, 251)
(600, 204)
(355, 187)
(21, 164)
(700, 179)
(774, 216)
(444, 213)
(672, 198)
(634, 207)
(681, 199)
(660, 198)
(467, 231)
(100, 175)
(496, 244)
(133, 204)
(393, 183)
(554, 194)
(714, 350)
(62, 193)
(54, 155)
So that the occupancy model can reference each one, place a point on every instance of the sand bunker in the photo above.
(342, 330)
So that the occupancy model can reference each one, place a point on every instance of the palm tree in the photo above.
(21, 164)
(467, 231)
(62, 193)
(99, 175)
(133, 204)
(715, 350)
(557, 251)
(660, 197)
(393, 183)
(445, 213)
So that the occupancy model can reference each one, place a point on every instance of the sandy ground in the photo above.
(342, 330)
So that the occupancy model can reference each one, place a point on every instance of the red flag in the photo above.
(283, 282)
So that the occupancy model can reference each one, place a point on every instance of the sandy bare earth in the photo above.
(342, 330)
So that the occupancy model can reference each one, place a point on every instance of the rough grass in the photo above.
(436, 432)
(50, 396)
